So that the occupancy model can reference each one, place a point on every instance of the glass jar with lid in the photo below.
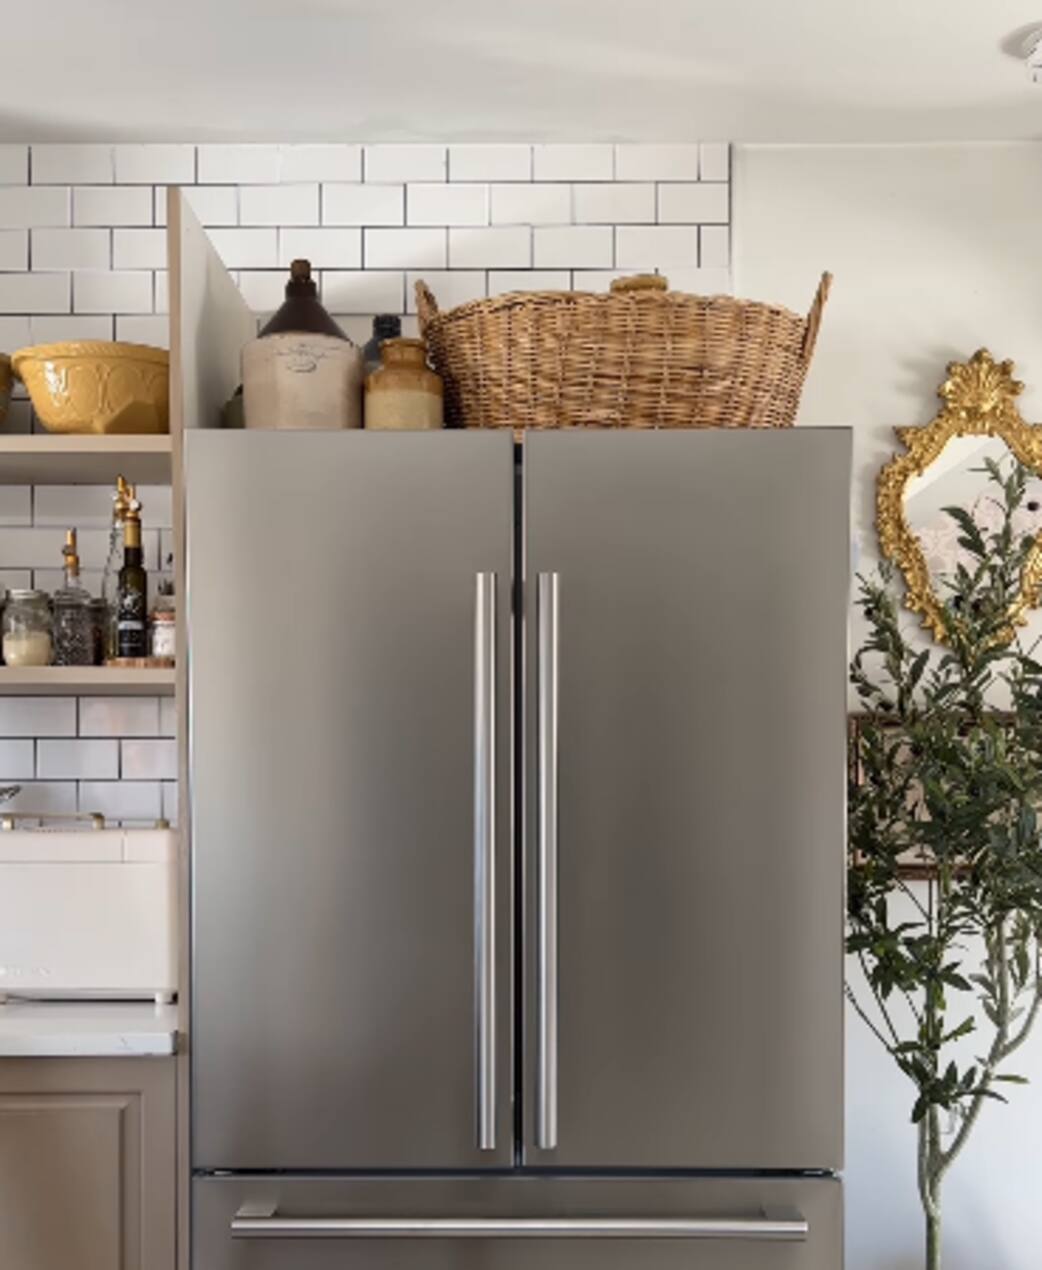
(27, 629)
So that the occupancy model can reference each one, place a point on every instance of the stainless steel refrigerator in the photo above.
(517, 789)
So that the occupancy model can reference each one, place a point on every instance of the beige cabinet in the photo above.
(87, 1163)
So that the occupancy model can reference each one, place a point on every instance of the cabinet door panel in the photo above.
(87, 1164)
(691, 958)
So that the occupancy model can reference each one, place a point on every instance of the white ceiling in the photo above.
(752, 70)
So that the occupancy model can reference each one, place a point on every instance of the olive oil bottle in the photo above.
(132, 587)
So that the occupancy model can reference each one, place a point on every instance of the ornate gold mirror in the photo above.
(943, 468)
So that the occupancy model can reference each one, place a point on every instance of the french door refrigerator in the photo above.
(517, 788)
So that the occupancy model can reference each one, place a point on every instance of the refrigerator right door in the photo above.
(685, 612)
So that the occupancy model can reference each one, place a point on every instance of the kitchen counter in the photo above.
(87, 1029)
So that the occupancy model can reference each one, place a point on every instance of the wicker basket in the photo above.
(638, 357)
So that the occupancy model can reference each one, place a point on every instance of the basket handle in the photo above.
(813, 324)
(426, 305)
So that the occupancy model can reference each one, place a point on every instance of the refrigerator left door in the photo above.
(350, 751)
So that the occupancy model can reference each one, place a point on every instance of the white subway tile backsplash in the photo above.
(167, 716)
(714, 247)
(161, 298)
(278, 205)
(263, 290)
(14, 250)
(17, 760)
(698, 203)
(72, 164)
(54, 798)
(573, 162)
(149, 760)
(122, 291)
(139, 248)
(714, 161)
(14, 333)
(656, 247)
(51, 579)
(122, 800)
(701, 281)
(14, 164)
(615, 203)
(577, 246)
(37, 716)
(502, 280)
(404, 248)
(499, 247)
(16, 505)
(596, 279)
(326, 248)
(68, 326)
(30, 206)
(85, 506)
(15, 580)
(155, 164)
(247, 248)
(71, 248)
(320, 163)
(212, 204)
(446, 204)
(34, 292)
(656, 162)
(77, 760)
(111, 205)
(522, 204)
(119, 716)
(450, 287)
(405, 163)
(363, 291)
(490, 162)
(145, 328)
(239, 164)
(363, 205)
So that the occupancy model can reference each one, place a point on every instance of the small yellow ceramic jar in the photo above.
(404, 393)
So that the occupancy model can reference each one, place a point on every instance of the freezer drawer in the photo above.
(517, 1224)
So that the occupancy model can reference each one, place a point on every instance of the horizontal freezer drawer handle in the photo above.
(785, 1227)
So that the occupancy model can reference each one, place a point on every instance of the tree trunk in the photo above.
(933, 1240)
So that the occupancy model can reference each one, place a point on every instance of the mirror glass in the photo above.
(956, 478)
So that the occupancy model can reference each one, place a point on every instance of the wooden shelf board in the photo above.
(43, 459)
(52, 681)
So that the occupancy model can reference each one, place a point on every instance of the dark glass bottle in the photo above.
(302, 309)
(132, 590)
(386, 326)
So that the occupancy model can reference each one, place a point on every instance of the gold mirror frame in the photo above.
(980, 400)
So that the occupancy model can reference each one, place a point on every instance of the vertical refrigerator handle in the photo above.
(485, 855)
(547, 598)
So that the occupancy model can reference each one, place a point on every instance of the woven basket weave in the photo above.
(639, 356)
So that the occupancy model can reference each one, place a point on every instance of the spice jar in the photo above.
(404, 393)
(164, 624)
(27, 628)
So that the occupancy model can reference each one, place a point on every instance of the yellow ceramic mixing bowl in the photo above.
(93, 386)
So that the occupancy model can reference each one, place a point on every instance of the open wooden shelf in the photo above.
(60, 681)
(43, 459)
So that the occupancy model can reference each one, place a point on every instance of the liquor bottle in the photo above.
(132, 589)
(73, 621)
(110, 577)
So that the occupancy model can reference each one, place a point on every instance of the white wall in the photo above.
(934, 253)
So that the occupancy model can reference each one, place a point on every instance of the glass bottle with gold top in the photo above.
(404, 394)
(73, 621)
(113, 562)
(132, 592)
